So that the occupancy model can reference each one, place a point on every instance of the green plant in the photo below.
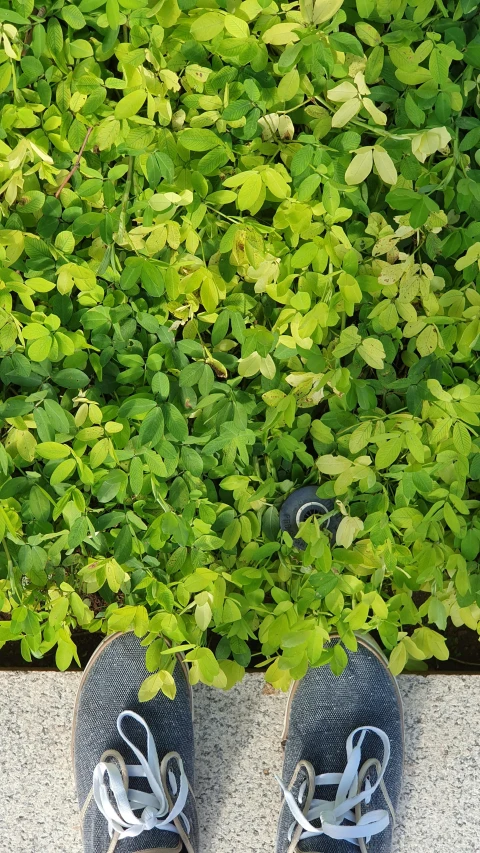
(239, 253)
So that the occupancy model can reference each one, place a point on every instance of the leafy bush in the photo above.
(240, 250)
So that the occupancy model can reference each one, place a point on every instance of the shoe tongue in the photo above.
(322, 844)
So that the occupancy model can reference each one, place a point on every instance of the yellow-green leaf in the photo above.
(281, 34)
(131, 104)
(53, 450)
(388, 452)
(462, 439)
(276, 183)
(289, 85)
(236, 27)
(159, 681)
(385, 165)
(347, 111)
(372, 351)
(249, 192)
(348, 529)
(427, 340)
(398, 659)
(360, 167)
(359, 615)
(323, 10)
(207, 26)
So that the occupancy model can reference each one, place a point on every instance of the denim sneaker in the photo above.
(343, 763)
(133, 761)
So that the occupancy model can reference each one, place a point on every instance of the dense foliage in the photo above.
(239, 249)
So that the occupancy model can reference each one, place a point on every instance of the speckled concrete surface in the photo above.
(238, 751)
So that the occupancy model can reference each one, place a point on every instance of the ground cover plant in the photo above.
(240, 251)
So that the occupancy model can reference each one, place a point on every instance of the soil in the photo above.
(463, 644)
(11, 658)
(464, 647)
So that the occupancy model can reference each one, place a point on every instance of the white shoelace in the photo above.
(351, 794)
(156, 812)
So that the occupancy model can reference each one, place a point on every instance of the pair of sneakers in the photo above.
(134, 762)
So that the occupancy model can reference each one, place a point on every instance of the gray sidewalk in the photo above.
(238, 752)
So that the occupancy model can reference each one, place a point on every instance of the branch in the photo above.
(75, 165)
(28, 35)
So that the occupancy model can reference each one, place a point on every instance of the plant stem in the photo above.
(125, 199)
(379, 131)
(234, 219)
(7, 552)
(75, 165)
(292, 109)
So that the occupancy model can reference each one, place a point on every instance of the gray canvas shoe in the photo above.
(133, 761)
(343, 758)
(303, 503)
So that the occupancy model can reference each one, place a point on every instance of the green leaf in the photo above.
(271, 523)
(451, 518)
(414, 111)
(123, 545)
(346, 42)
(437, 614)
(213, 160)
(12, 17)
(151, 430)
(301, 159)
(438, 66)
(401, 199)
(471, 139)
(85, 225)
(111, 485)
(199, 140)
(71, 378)
(78, 532)
(73, 17)
(40, 349)
(175, 423)
(427, 341)
(135, 407)
(191, 374)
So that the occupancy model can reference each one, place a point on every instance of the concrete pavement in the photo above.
(238, 750)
